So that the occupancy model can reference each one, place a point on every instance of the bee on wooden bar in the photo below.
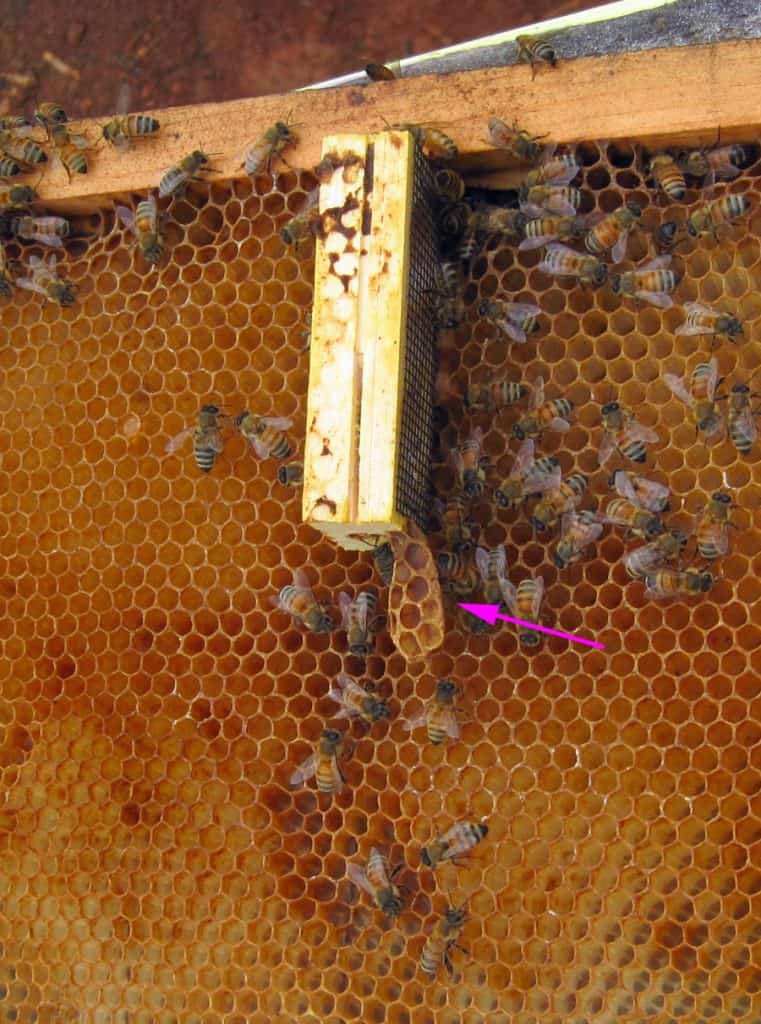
(272, 144)
(644, 560)
(704, 320)
(360, 621)
(524, 602)
(454, 843)
(712, 532)
(577, 531)
(639, 522)
(458, 572)
(515, 140)
(207, 437)
(516, 319)
(6, 281)
(25, 152)
(492, 566)
(639, 491)
(624, 434)
(678, 582)
(556, 502)
(446, 301)
(552, 414)
(707, 219)
(543, 230)
(469, 464)
(264, 434)
(382, 72)
(123, 130)
(741, 418)
(70, 150)
(439, 715)
(556, 169)
(558, 200)
(651, 282)
(291, 475)
(720, 163)
(612, 232)
(299, 601)
(323, 764)
(45, 230)
(667, 176)
(561, 261)
(494, 395)
(49, 114)
(527, 476)
(144, 223)
(436, 950)
(16, 197)
(698, 395)
(190, 168)
(535, 50)
(448, 184)
(357, 701)
(435, 145)
(45, 281)
(376, 880)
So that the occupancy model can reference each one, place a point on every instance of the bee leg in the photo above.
(448, 963)
(462, 949)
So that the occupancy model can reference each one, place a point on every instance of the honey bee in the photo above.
(122, 130)
(46, 230)
(458, 529)
(144, 223)
(665, 236)
(292, 474)
(16, 197)
(383, 555)
(357, 701)
(639, 522)
(721, 162)
(527, 476)
(22, 150)
(651, 282)
(489, 220)
(360, 622)
(564, 262)
(535, 50)
(6, 281)
(560, 200)
(707, 219)
(577, 531)
(524, 602)
(622, 433)
(435, 145)
(555, 502)
(557, 169)
(641, 492)
(712, 532)
(542, 415)
(494, 395)
(45, 281)
(469, 464)
(307, 222)
(70, 150)
(439, 715)
(454, 843)
(49, 114)
(673, 582)
(699, 396)
(376, 880)
(543, 230)
(8, 168)
(190, 168)
(264, 434)
(644, 560)
(275, 140)
(448, 184)
(446, 302)
(492, 566)
(381, 72)
(516, 319)
(471, 623)
(741, 418)
(298, 600)
(704, 320)
(323, 764)
(612, 232)
(667, 176)
(515, 140)
(207, 437)
(442, 939)
(458, 571)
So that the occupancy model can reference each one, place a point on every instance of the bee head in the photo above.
(600, 275)
(378, 709)
(538, 524)
(680, 536)
(692, 229)
(445, 689)
(559, 559)
(518, 431)
(426, 857)
(613, 475)
(615, 283)
(484, 307)
(735, 327)
(239, 418)
(455, 916)
(654, 527)
(210, 408)
(199, 156)
(741, 389)
(723, 497)
(331, 737)
(530, 639)
(635, 209)
(706, 581)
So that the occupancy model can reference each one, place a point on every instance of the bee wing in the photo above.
(698, 307)
(344, 603)
(80, 141)
(607, 447)
(559, 205)
(511, 330)
(538, 480)
(305, 771)
(482, 562)
(536, 241)
(537, 395)
(358, 875)
(524, 458)
(301, 580)
(126, 216)
(501, 561)
(618, 252)
(686, 328)
(278, 422)
(713, 376)
(451, 724)
(521, 310)
(657, 263)
(564, 177)
(661, 299)
(533, 211)
(676, 384)
(415, 723)
(509, 594)
(261, 449)
(178, 440)
(538, 595)
(654, 497)
(625, 488)
(559, 424)
(123, 97)
(30, 285)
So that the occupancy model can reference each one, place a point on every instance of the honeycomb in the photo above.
(155, 866)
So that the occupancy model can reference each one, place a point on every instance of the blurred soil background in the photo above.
(173, 53)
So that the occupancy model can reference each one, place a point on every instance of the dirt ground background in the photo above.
(174, 53)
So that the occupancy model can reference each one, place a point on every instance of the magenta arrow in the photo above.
(490, 613)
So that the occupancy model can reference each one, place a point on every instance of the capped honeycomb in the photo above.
(155, 865)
